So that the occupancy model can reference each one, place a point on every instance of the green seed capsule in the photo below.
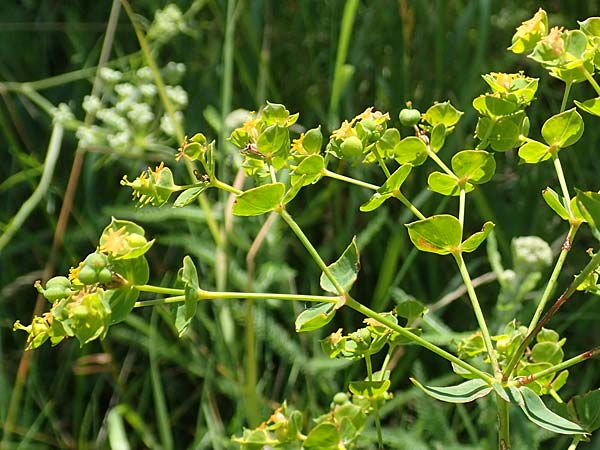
(340, 398)
(87, 275)
(105, 276)
(96, 261)
(351, 147)
(410, 117)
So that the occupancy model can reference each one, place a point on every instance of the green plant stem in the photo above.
(342, 52)
(311, 249)
(159, 289)
(29, 205)
(364, 310)
(406, 202)
(226, 187)
(433, 155)
(380, 160)
(222, 295)
(478, 312)
(502, 406)
(462, 200)
(566, 247)
(591, 80)
(587, 270)
(337, 176)
(558, 367)
(375, 407)
(563, 185)
(565, 99)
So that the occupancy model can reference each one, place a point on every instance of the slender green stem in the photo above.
(159, 289)
(364, 310)
(433, 155)
(587, 270)
(503, 423)
(375, 407)
(339, 77)
(566, 247)
(385, 363)
(565, 99)
(221, 295)
(478, 312)
(29, 205)
(558, 367)
(575, 442)
(380, 160)
(226, 187)
(563, 185)
(406, 202)
(337, 176)
(590, 78)
(462, 200)
(251, 378)
(313, 252)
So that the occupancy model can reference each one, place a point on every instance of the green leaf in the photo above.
(259, 200)
(274, 113)
(312, 167)
(388, 142)
(438, 137)
(90, 317)
(591, 106)
(590, 26)
(505, 131)
(439, 234)
(369, 389)
(461, 393)
(187, 311)
(550, 352)
(274, 141)
(530, 32)
(388, 189)
(474, 166)
(533, 152)
(316, 317)
(136, 271)
(411, 309)
(536, 411)
(121, 302)
(564, 129)
(554, 201)
(494, 106)
(585, 409)
(443, 113)
(117, 436)
(344, 270)
(589, 206)
(410, 150)
(445, 184)
(475, 240)
(189, 195)
(324, 436)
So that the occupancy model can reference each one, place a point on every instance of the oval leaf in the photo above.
(438, 137)
(535, 409)
(461, 393)
(445, 184)
(475, 240)
(312, 167)
(259, 200)
(591, 106)
(534, 152)
(189, 195)
(439, 234)
(443, 113)
(474, 166)
(345, 270)
(564, 129)
(315, 317)
(410, 150)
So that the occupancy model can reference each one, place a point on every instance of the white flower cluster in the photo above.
(130, 117)
(530, 254)
(167, 23)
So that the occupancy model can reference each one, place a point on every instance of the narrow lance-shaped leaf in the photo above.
(259, 200)
(554, 201)
(344, 270)
(536, 411)
(461, 393)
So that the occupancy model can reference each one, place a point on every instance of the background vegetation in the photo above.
(189, 392)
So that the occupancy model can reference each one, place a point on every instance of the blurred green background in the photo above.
(189, 393)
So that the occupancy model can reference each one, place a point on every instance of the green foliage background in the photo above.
(189, 393)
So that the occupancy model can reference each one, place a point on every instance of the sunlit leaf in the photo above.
(315, 317)
(439, 234)
(564, 129)
(474, 241)
(259, 200)
(344, 270)
(461, 393)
